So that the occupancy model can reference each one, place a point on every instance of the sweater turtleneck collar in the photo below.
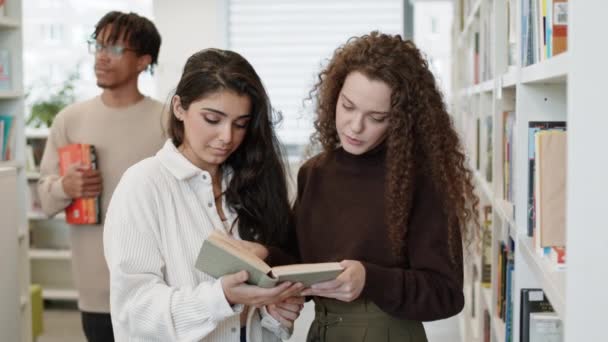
(372, 157)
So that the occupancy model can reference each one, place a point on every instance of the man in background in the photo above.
(125, 127)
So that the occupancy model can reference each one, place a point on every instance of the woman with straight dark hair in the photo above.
(221, 170)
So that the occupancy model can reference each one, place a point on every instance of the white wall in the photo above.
(185, 26)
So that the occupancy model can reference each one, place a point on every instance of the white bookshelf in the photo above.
(12, 298)
(50, 254)
(60, 294)
(50, 248)
(566, 87)
(11, 103)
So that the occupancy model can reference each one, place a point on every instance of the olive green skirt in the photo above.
(360, 321)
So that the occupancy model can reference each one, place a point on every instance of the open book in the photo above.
(220, 256)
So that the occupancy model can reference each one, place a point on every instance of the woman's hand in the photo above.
(287, 311)
(238, 292)
(346, 287)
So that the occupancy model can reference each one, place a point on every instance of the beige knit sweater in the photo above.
(122, 137)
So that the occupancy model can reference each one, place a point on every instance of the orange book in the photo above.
(560, 26)
(81, 210)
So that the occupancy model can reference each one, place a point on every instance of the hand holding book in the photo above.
(81, 182)
(220, 256)
(346, 287)
(237, 291)
(287, 311)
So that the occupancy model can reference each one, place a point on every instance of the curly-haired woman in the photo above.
(389, 196)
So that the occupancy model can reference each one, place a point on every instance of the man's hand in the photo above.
(81, 182)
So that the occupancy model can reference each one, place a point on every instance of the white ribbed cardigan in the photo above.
(160, 213)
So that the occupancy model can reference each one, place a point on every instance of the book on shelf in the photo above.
(486, 247)
(550, 190)
(504, 274)
(533, 128)
(81, 210)
(30, 163)
(476, 58)
(512, 33)
(219, 256)
(557, 257)
(489, 148)
(477, 140)
(508, 306)
(485, 47)
(560, 26)
(7, 122)
(508, 122)
(487, 322)
(531, 301)
(38, 144)
(546, 327)
(544, 31)
(474, 299)
(2, 10)
(5, 70)
(1, 139)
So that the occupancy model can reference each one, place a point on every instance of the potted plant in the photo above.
(45, 109)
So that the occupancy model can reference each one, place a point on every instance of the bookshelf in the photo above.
(11, 296)
(49, 254)
(491, 76)
(11, 104)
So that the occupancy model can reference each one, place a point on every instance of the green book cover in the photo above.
(218, 257)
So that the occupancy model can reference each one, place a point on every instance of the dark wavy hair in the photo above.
(139, 32)
(258, 188)
(421, 137)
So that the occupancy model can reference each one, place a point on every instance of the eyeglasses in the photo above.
(113, 50)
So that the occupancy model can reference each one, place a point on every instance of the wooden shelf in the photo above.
(50, 254)
(553, 281)
(552, 70)
(60, 294)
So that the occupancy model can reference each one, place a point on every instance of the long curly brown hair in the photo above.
(421, 136)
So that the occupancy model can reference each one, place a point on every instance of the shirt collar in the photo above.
(176, 163)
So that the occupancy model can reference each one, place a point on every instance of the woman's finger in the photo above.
(289, 307)
(287, 314)
(273, 311)
(328, 285)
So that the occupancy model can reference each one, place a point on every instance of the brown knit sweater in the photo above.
(340, 215)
